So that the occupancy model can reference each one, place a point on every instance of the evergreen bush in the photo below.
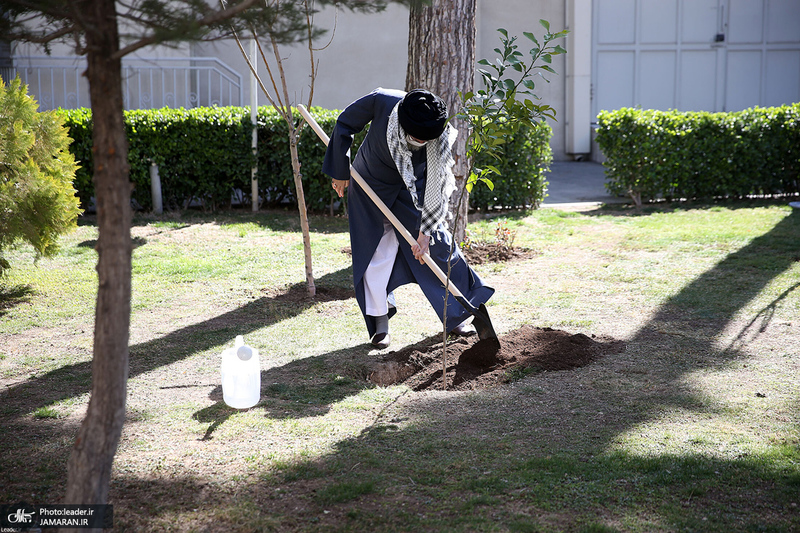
(37, 197)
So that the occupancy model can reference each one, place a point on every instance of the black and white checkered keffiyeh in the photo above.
(440, 182)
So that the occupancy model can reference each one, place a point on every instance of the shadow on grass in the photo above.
(303, 388)
(136, 242)
(381, 481)
(271, 219)
(300, 389)
(714, 298)
(482, 463)
(76, 379)
(279, 398)
(763, 319)
(627, 209)
(473, 461)
(13, 296)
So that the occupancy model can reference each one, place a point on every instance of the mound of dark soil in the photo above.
(486, 252)
(477, 364)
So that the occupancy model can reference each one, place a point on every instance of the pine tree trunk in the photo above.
(89, 466)
(441, 59)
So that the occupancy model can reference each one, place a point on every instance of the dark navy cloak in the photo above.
(375, 164)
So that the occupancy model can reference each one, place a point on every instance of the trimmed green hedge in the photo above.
(670, 154)
(204, 154)
(525, 159)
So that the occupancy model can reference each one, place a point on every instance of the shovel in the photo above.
(482, 322)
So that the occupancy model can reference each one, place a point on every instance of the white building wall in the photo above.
(578, 106)
(695, 55)
(518, 16)
(362, 52)
(653, 53)
(369, 51)
(365, 52)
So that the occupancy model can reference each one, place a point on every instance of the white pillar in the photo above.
(254, 121)
(155, 189)
(579, 77)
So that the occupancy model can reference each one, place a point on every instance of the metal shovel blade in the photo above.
(482, 322)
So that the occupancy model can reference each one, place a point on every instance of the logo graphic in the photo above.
(21, 516)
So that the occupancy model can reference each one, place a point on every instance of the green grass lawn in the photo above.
(695, 427)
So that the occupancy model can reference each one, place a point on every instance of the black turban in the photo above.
(422, 114)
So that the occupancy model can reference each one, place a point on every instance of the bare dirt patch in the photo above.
(478, 254)
(479, 364)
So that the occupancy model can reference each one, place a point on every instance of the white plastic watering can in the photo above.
(241, 375)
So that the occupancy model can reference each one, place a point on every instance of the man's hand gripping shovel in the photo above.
(482, 322)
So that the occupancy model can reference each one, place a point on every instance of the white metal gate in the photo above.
(711, 55)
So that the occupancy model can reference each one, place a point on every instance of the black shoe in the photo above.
(464, 330)
(381, 340)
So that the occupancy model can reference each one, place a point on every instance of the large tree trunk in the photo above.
(89, 466)
(441, 59)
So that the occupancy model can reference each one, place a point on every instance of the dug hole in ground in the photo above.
(472, 363)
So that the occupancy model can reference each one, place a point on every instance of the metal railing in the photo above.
(146, 83)
(7, 73)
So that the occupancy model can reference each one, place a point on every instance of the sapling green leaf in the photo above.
(531, 36)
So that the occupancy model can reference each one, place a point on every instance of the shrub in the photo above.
(671, 154)
(523, 162)
(204, 154)
(37, 198)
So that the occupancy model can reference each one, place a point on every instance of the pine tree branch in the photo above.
(212, 18)
(43, 38)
